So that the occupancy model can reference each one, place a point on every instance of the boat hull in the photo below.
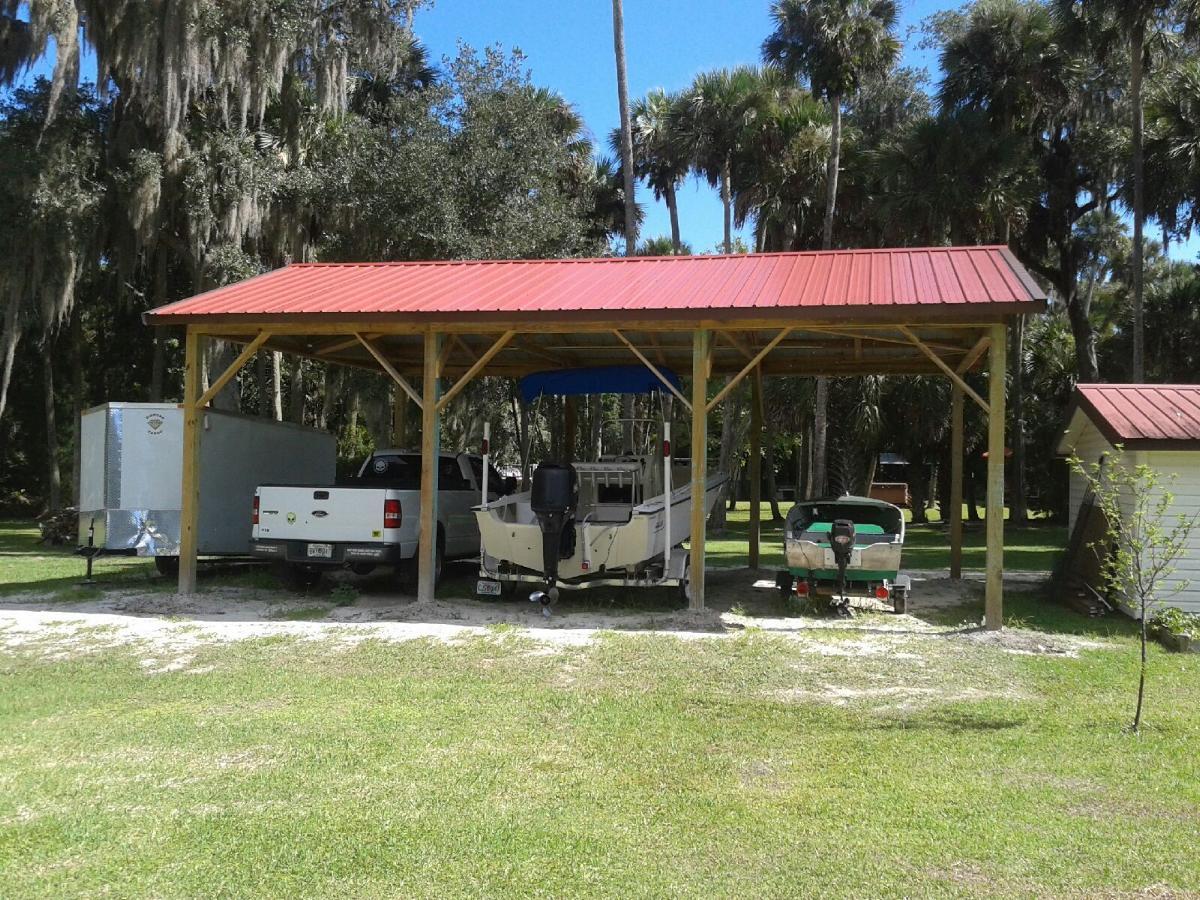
(878, 546)
(511, 537)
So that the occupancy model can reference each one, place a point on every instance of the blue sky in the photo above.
(667, 43)
(568, 47)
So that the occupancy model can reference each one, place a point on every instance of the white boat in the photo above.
(610, 522)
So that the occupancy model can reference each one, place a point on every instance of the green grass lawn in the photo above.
(637, 766)
(878, 764)
(26, 562)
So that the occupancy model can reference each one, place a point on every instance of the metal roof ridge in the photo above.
(697, 257)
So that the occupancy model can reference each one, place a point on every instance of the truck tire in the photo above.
(408, 572)
(167, 566)
(297, 578)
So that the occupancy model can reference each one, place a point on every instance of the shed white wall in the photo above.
(1090, 446)
(1185, 466)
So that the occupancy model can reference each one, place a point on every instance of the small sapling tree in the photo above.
(1142, 540)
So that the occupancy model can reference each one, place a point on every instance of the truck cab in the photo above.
(371, 520)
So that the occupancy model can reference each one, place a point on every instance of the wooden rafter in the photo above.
(974, 354)
(653, 368)
(737, 344)
(227, 376)
(470, 374)
(941, 364)
(387, 366)
(339, 346)
(746, 370)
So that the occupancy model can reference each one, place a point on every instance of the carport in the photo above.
(847, 312)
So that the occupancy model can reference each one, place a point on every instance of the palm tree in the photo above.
(834, 44)
(656, 152)
(1105, 24)
(779, 173)
(710, 120)
(1007, 62)
(626, 130)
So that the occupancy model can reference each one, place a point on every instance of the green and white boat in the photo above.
(845, 548)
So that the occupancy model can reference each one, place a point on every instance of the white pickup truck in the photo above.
(374, 520)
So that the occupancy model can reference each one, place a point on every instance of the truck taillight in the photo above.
(391, 513)
(254, 517)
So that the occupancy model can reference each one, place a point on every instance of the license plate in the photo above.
(487, 588)
(320, 551)
(831, 560)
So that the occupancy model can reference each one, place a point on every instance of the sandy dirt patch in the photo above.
(170, 629)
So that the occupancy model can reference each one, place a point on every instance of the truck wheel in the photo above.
(408, 572)
(297, 578)
(167, 566)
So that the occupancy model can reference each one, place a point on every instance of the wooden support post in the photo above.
(994, 593)
(700, 359)
(756, 427)
(190, 511)
(430, 451)
(956, 474)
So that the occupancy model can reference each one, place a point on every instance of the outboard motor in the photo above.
(841, 540)
(554, 499)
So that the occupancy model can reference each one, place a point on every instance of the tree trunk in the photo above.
(821, 400)
(158, 366)
(329, 391)
(626, 128)
(77, 398)
(221, 357)
(277, 388)
(731, 408)
(1078, 313)
(264, 385)
(769, 462)
(596, 424)
(818, 482)
(727, 203)
(831, 169)
(1141, 693)
(626, 423)
(296, 392)
(673, 211)
(12, 336)
(53, 475)
(1020, 511)
(1139, 203)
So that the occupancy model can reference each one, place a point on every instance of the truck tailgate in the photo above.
(335, 514)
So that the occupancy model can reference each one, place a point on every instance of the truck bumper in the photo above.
(343, 554)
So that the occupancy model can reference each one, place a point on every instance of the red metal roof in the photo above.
(980, 280)
(1143, 414)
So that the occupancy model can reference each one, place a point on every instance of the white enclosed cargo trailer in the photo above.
(131, 475)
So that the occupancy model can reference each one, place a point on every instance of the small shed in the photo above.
(1157, 425)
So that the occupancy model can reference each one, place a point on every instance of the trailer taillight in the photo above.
(254, 516)
(801, 588)
(881, 592)
(391, 513)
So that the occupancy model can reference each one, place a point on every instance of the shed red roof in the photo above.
(1144, 415)
(972, 281)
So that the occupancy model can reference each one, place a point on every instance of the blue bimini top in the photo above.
(595, 380)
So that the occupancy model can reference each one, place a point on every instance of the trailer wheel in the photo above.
(167, 566)
(297, 578)
(685, 581)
